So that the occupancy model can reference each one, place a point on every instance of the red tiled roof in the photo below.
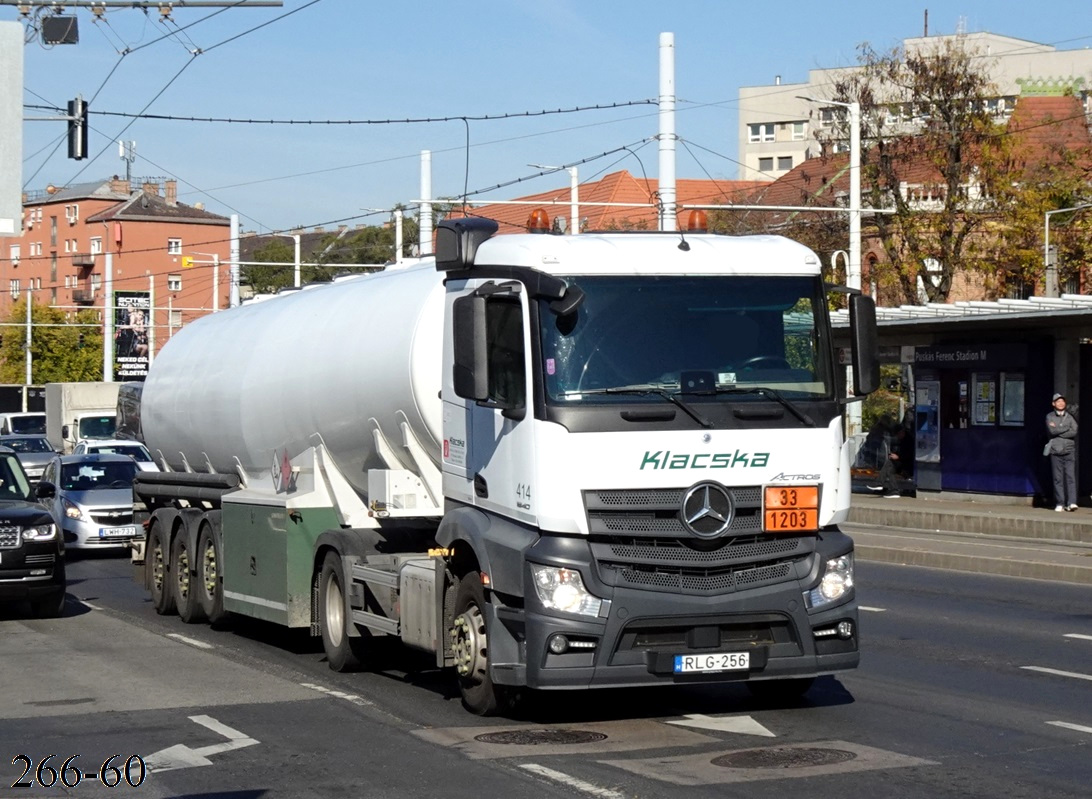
(617, 187)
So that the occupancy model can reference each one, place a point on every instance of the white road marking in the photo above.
(87, 604)
(182, 756)
(871, 610)
(744, 725)
(572, 782)
(1059, 673)
(356, 700)
(1078, 635)
(1069, 726)
(190, 641)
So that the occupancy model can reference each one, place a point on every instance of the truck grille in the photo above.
(638, 541)
(655, 512)
(11, 537)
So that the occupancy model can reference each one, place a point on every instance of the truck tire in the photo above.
(470, 646)
(183, 584)
(343, 652)
(210, 577)
(158, 577)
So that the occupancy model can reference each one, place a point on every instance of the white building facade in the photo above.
(779, 130)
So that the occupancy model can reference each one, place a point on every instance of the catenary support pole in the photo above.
(424, 227)
(233, 292)
(668, 206)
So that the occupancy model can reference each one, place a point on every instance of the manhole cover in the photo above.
(784, 757)
(541, 737)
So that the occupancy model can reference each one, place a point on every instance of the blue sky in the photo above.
(363, 60)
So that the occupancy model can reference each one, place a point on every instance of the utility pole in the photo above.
(29, 357)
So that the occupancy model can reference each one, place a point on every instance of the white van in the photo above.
(22, 423)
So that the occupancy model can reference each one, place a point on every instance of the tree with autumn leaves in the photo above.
(968, 192)
(62, 349)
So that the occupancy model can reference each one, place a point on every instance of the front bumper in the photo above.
(35, 571)
(80, 534)
(638, 635)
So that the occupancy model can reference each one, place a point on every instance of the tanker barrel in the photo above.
(346, 364)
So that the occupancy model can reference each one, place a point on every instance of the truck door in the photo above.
(500, 442)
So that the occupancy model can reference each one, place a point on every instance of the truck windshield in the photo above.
(713, 334)
(97, 426)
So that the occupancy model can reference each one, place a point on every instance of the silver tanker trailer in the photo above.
(552, 462)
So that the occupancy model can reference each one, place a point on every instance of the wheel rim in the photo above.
(468, 643)
(209, 569)
(158, 569)
(335, 610)
(183, 578)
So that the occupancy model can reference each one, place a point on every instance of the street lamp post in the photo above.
(215, 277)
(1051, 275)
(853, 268)
(853, 275)
(296, 239)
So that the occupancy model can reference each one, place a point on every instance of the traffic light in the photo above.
(77, 129)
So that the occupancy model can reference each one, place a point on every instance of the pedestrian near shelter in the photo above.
(980, 376)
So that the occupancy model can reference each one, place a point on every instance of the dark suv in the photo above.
(31, 546)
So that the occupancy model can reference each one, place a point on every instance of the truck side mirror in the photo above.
(469, 371)
(64, 432)
(864, 343)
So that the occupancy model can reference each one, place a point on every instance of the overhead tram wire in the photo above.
(388, 121)
(194, 55)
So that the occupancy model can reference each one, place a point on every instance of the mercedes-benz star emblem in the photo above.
(707, 510)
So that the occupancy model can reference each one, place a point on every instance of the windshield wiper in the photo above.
(660, 390)
(774, 395)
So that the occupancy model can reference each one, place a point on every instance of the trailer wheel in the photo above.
(470, 646)
(210, 585)
(343, 652)
(158, 572)
(183, 584)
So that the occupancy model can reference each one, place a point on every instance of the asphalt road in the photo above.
(969, 686)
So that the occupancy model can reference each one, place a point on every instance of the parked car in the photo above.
(31, 547)
(34, 453)
(93, 503)
(134, 449)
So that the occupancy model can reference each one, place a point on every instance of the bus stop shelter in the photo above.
(981, 376)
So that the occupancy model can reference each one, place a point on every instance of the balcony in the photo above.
(83, 259)
(83, 296)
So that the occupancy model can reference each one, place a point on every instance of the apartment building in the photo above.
(164, 254)
(779, 130)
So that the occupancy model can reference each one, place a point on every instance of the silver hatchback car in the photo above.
(93, 505)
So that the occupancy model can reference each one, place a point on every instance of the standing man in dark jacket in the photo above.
(1062, 429)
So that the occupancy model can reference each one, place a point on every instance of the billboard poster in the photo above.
(132, 312)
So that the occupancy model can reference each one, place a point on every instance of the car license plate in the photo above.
(705, 664)
(118, 532)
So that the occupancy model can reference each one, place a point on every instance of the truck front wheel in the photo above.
(470, 646)
(343, 652)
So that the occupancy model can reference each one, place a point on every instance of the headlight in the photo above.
(837, 582)
(71, 509)
(43, 532)
(563, 589)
